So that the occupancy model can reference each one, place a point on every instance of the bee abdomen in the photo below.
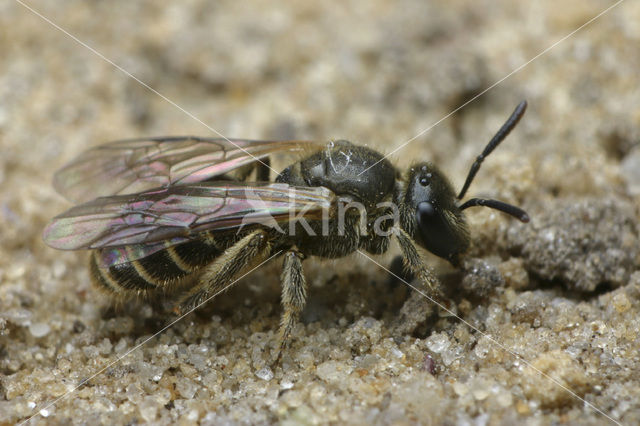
(156, 271)
(196, 254)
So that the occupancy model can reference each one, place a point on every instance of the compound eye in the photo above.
(425, 179)
(426, 210)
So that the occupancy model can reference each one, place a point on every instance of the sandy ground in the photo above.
(550, 309)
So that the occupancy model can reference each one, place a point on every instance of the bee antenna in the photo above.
(509, 209)
(506, 128)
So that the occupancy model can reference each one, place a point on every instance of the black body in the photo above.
(418, 208)
(345, 169)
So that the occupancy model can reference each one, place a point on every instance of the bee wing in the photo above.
(136, 165)
(179, 213)
(112, 256)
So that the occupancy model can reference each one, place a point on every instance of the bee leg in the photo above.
(249, 251)
(263, 169)
(294, 297)
(413, 262)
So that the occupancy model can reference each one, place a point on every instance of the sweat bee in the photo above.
(158, 212)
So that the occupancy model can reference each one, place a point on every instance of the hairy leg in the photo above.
(249, 251)
(294, 296)
(414, 262)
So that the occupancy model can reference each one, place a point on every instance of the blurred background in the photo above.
(376, 72)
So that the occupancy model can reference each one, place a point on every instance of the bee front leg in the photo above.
(250, 250)
(294, 297)
(414, 262)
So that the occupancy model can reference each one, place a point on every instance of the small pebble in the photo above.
(438, 342)
(621, 303)
(265, 374)
(286, 384)
(18, 316)
(39, 329)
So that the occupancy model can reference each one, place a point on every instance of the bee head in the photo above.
(433, 213)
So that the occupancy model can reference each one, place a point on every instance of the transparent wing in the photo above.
(179, 213)
(112, 256)
(136, 165)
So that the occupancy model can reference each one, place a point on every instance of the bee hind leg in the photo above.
(249, 251)
(294, 297)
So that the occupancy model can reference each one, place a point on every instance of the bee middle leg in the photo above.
(294, 297)
(249, 251)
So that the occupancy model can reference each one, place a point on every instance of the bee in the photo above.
(189, 215)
